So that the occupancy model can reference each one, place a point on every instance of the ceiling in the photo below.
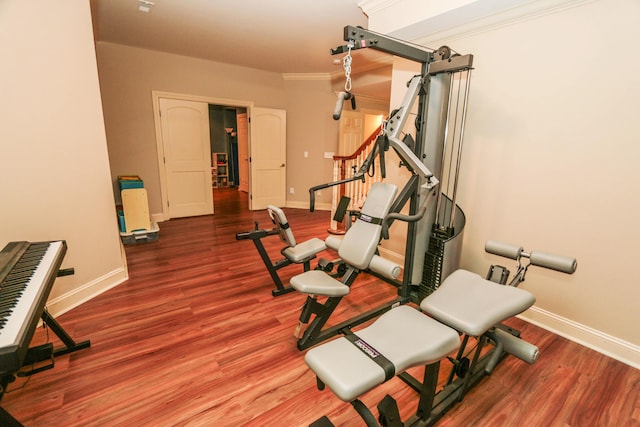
(284, 36)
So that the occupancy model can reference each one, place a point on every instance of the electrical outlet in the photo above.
(291, 190)
(305, 154)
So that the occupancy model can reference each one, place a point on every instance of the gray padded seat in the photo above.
(403, 335)
(317, 282)
(470, 304)
(295, 252)
(356, 248)
(304, 250)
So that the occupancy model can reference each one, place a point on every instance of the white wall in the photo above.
(550, 156)
(310, 128)
(54, 168)
(128, 76)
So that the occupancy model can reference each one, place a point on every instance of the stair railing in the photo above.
(345, 167)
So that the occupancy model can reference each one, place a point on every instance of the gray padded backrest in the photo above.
(280, 220)
(361, 240)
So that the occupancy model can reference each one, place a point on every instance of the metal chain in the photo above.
(346, 64)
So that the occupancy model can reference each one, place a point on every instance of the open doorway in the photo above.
(265, 176)
(233, 105)
(229, 147)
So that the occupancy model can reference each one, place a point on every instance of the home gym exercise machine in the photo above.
(464, 304)
(429, 147)
(358, 252)
(431, 150)
(293, 252)
(461, 314)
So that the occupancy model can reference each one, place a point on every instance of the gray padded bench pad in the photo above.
(470, 304)
(304, 250)
(403, 335)
(317, 282)
(464, 302)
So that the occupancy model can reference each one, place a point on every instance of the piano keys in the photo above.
(26, 280)
(27, 273)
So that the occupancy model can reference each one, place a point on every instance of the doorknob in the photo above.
(282, 165)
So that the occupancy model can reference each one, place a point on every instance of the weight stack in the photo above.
(443, 254)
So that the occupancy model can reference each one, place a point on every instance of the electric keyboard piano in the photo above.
(27, 273)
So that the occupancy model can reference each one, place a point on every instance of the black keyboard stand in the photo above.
(6, 420)
(39, 354)
(46, 352)
(69, 344)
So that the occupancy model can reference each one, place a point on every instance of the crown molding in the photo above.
(306, 76)
(373, 6)
(479, 17)
(385, 61)
(462, 19)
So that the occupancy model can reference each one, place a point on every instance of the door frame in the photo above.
(156, 95)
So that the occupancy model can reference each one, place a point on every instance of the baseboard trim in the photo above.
(305, 205)
(391, 256)
(63, 303)
(157, 217)
(608, 345)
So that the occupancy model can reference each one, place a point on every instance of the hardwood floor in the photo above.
(194, 338)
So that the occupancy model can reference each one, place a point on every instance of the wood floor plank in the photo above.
(194, 338)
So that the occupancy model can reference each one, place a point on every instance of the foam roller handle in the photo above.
(517, 347)
(503, 249)
(337, 111)
(385, 267)
(554, 262)
(333, 242)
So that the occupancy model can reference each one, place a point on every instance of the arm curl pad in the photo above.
(559, 263)
(503, 249)
(385, 267)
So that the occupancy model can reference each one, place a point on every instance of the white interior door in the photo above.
(187, 157)
(268, 148)
(351, 132)
(243, 152)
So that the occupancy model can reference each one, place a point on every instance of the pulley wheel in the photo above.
(443, 53)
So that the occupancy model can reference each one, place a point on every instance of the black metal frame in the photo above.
(367, 39)
(314, 334)
(432, 63)
(256, 237)
(39, 354)
(411, 158)
(69, 343)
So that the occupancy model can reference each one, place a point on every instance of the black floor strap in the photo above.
(373, 354)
